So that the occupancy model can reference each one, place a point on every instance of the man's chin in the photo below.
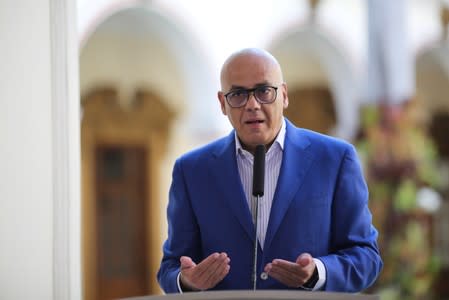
(255, 143)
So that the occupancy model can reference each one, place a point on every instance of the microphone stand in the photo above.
(258, 187)
(256, 213)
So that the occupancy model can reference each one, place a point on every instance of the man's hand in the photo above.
(292, 274)
(206, 274)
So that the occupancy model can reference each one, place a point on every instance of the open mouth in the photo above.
(254, 122)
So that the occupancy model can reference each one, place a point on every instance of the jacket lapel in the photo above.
(226, 176)
(296, 161)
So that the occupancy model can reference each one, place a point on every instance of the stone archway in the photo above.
(310, 59)
(136, 47)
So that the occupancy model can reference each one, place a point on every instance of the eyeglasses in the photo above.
(264, 94)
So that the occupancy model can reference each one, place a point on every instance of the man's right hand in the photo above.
(206, 274)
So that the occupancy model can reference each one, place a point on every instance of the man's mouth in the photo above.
(254, 121)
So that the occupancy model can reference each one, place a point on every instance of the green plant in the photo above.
(398, 159)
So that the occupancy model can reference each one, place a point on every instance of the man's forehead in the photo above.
(252, 66)
(255, 85)
(248, 59)
(250, 74)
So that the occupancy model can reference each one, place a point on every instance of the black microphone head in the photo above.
(259, 171)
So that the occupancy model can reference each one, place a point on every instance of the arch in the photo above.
(311, 45)
(196, 86)
(166, 61)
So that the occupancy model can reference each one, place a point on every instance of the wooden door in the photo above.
(121, 220)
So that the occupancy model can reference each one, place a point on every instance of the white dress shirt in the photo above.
(273, 160)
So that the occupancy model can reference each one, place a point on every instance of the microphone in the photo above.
(259, 171)
(258, 187)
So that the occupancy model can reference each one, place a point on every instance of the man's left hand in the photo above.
(292, 274)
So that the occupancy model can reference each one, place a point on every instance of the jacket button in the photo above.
(264, 276)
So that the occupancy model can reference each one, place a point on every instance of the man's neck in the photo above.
(252, 148)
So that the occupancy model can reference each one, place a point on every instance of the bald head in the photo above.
(253, 73)
(249, 59)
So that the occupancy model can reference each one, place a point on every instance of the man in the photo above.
(314, 227)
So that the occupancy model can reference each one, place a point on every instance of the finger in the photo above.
(297, 268)
(291, 279)
(304, 259)
(187, 272)
(204, 273)
(186, 262)
(288, 273)
(267, 268)
(220, 274)
(288, 266)
(187, 268)
(192, 274)
(307, 263)
(204, 266)
(286, 278)
(215, 272)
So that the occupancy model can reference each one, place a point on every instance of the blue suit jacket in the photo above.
(319, 207)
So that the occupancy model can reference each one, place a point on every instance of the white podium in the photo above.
(260, 294)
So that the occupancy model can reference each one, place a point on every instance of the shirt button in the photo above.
(264, 276)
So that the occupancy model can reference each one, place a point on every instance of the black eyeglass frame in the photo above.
(249, 92)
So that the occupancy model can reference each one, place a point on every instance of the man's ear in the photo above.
(222, 100)
(285, 95)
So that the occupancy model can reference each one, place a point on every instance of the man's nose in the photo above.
(252, 102)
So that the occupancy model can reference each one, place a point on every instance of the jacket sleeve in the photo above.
(354, 261)
(183, 232)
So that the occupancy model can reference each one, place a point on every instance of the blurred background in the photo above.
(100, 97)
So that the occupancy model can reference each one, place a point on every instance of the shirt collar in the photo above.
(280, 138)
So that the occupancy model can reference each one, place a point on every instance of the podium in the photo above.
(260, 294)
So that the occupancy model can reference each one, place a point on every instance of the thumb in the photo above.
(186, 262)
(304, 259)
